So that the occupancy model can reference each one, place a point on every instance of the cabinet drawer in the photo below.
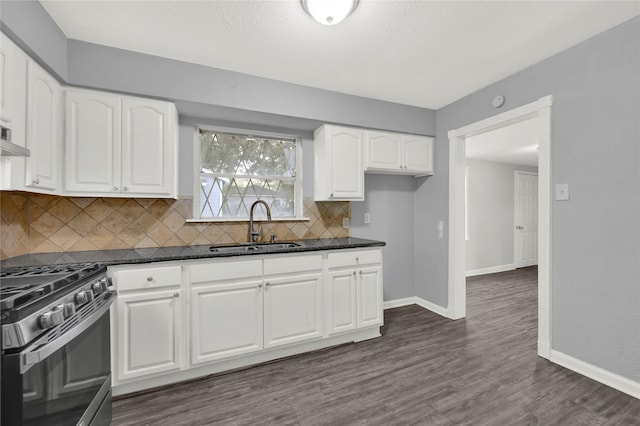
(292, 264)
(354, 258)
(148, 278)
(225, 270)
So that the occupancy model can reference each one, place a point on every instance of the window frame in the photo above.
(298, 190)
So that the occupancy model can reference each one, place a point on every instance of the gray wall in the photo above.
(31, 28)
(491, 202)
(595, 260)
(389, 200)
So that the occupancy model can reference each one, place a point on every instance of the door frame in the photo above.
(540, 109)
(515, 214)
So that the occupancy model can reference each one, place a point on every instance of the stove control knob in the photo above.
(84, 297)
(99, 286)
(51, 318)
(68, 309)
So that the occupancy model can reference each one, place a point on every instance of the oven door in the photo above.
(66, 381)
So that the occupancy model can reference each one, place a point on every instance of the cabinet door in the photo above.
(149, 333)
(92, 154)
(13, 90)
(341, 301)
(369, 297)
(292, 309)
(418, 154)
(383, 151)
(226, 320)
(148, 147)
(347, 165)
(43, 128)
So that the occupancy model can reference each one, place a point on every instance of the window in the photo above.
(238, 169)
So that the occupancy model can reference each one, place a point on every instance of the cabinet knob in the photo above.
(124, 188)
(267, 284)
(357, 259)
(401, 166)
(260, 285)
(149, 279)
(360, 272)
(115, 188)
(36, 181)
(176, 295)
(331, 196)
(354, 273)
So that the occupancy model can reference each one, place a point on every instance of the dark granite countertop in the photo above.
(162, 254)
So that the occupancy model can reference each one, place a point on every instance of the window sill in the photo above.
(261, 219)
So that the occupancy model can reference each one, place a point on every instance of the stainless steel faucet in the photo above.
(252, 232)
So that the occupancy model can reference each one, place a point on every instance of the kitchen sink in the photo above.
(252, 248)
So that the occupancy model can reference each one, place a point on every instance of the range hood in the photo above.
(10, 149)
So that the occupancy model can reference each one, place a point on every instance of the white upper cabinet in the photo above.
(93, 135)
(120, 145)
(339, 171)
(43, 128)
(13, 90)
(149, 143)
(396, 153)
(383, 151)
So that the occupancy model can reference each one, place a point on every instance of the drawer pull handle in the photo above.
(149, 279)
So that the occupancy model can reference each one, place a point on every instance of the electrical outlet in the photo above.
(562, 192)
(367, 218)
(345, 223)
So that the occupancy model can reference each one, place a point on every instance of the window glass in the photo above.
(236, 170)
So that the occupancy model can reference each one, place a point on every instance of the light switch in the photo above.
(440, 229)
(562, 192)
(367, 218)
(345, 222)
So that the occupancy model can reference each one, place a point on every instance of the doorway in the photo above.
(541, 112)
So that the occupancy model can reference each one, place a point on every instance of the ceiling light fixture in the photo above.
(329, 12)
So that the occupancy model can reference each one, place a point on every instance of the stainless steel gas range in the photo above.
(56, 367)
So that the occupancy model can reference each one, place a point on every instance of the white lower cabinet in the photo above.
(147, 321)
(292, 309)
(175, 321)
(354, 290)
(226, 320)
(149, 333)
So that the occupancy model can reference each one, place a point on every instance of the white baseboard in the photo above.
(491, 270)
(396, 303)
(417, 301)
(598, 374)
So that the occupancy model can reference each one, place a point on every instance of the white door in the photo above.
(348, 176)
(369, 297)
(226, 320)
(292, 309)
(341, 301)
(418, 154)
(383, 151)
(92, 145)
(43, 128)
(13, 89)
(149, 333)
(148, 142)
(526, 219)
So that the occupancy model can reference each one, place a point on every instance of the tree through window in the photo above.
(236, 170)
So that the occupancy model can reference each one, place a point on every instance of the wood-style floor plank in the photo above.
(424, 370)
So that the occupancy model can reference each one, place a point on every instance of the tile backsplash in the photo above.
(35, 223)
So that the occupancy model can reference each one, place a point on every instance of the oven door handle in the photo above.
(36, 353)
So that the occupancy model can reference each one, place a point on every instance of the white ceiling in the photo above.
(422, 53)
(513, 144)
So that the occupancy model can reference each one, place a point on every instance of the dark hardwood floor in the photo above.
(425, 370)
